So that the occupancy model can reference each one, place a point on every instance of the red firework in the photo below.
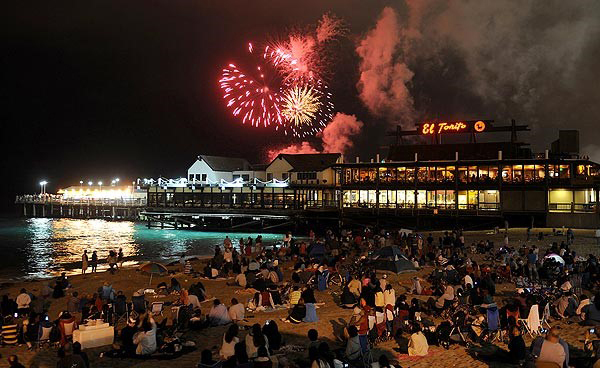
(253, 95)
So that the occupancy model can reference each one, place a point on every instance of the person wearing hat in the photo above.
(127, 333)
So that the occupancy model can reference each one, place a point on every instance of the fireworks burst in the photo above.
(252, 96)
(301, 105)
(330, 27)
(307, 108)
(284, 85)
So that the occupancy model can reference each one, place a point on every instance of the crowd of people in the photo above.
(456, 303)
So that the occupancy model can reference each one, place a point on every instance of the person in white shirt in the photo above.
(218, 314)
(236, 311)
(146, 339)
(417, 345)
(389, 295)
(467, 280)
(23, 301)
(230, 338)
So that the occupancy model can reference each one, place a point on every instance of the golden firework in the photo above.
(300, 104)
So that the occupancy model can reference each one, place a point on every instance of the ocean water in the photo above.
(42, 247)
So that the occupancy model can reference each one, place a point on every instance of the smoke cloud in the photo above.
(337, 135)
(529, 60)
(384, 76)
(336, 138)
(292, 149)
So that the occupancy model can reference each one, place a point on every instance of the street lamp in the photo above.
(90, 183)
(100, 184)
(43, 186)
(80, 184)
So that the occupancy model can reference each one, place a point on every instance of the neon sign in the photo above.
(452, 127)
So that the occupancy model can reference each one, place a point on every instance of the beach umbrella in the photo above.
(153, 268)
(556, 257)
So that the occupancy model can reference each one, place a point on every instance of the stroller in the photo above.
(454, 331)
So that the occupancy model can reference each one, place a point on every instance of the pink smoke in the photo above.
(384, 76)
(335, 138)
(292, 149)
(336, 135)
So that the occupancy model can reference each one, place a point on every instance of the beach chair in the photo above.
(546, 316)
(44, 335)
(493, 322)
(532, 322)
(68, 330)
(156, 308)
(120, 311)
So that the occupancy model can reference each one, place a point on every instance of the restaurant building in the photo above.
(440, 173)
(494, 179)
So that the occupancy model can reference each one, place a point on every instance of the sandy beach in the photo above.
(331, 317)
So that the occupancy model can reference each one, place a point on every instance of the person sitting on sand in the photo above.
(128, 332)
(347, 299)
(146, 339)
(175, 285)
(58, 291)
(230, 338)
(236, 311)
(218, 314)
(185, 298)
(591, 313)
(417, 345)
(551, 349)
(516, 346)
(206, 360)
(297, 313)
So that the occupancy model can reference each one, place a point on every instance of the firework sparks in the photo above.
(252, 96)
(307, 109)
(285, 88)
(330, 27)
(301, 105)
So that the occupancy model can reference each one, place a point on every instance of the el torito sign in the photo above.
(452, 127)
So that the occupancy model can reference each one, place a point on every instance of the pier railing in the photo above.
(59, 200)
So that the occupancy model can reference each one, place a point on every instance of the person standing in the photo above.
(84, 262)
(120, 257)
(94, 261)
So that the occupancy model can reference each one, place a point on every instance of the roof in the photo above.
(220, 163)
(259, 167)
(310, 162)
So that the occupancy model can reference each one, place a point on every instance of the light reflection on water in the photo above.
(42, 247)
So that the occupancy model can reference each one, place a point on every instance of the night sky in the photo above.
(95, 90)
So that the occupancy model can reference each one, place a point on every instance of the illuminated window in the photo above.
(462, 174)
(517, 171)
(564, 172)
(507, 174)
(529, 173)
(540, 172)
(410, 174)
(489, 200)
(472, 174)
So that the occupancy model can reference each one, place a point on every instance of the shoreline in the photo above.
(331, 316)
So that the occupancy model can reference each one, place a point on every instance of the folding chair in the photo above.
(156, 308)
(44, 335)
(532, 322)
(546, 316)
(68, 330)
(493, 322)
(120, 311)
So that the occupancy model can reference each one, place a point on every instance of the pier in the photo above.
(56, 206)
